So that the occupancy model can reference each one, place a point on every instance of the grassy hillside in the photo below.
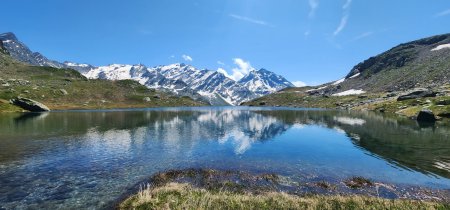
(409, 65)
(384, 102)
(383, 77)
(68, 89)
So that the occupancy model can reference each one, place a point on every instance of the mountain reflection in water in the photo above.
(59, 159)
(399, 141)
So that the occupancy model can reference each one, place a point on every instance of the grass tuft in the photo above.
(185, 196)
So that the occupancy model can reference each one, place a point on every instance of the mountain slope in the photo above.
(21, 52)
(68, 89)
(376, 83)
(421, 63)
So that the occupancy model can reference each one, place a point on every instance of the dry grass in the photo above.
(184, 196)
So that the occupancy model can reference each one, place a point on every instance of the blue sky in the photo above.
(313, 41)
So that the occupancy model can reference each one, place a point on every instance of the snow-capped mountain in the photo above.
(181, 79)
(214, 86)
(263, 82)
(81, 67)
(144, 75)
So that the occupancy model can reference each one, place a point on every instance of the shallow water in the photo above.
(83, 159)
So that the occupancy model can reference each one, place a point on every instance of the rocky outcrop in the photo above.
(2, 48)
(29, 105)
(417, 93)
(426, 116)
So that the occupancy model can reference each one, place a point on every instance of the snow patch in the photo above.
(83, 65)
(317, 89)
(356, 75)
(339, 81)
(440, 47)
(350, 92)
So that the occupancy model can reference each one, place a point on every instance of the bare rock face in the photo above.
(30, 105)
(417, 93)
(426, 116)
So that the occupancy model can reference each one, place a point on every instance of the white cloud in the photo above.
(443, 13)
(250, 20)
(221, 63)
(313, 4)
(347, 4)
(243, 68)
(223, 71)
(172, 56)
(342, 25)
(363, 35)
(299, 84)
(187, 58)
(344, 18)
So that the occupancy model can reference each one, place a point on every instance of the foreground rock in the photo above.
(426, 116)
(29, 105)
(417, 93)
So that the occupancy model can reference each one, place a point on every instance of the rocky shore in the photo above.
(239, 183)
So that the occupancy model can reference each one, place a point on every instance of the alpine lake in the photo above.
(88, 159)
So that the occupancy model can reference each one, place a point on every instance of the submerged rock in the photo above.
(29, 105)
(426, 116)
(417, 93)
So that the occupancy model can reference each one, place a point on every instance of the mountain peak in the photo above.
(264, 82)
(263, 70)
(8, 36)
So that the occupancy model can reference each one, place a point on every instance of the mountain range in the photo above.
(184, 80)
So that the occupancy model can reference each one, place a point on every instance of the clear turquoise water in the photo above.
(86, 159)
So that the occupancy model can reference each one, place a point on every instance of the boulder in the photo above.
(391, 95)
(426, 116)
(147, 99)
(30, 105)
(417, 93)
(64, 92)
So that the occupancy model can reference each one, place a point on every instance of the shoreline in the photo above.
(241, 183)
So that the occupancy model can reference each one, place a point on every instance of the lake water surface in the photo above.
(81, 159)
